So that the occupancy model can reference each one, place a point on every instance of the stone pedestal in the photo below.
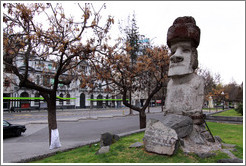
(199, 141)
(163, 137)
(159, 138)
(183, 125)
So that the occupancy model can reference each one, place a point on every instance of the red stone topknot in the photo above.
(183, 29)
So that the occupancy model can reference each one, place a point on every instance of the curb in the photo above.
(224, 119)
(217, 112)
(73, 147)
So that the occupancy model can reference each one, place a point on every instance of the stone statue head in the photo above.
(183, 38)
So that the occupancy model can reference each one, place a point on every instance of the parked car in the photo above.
(12, 129)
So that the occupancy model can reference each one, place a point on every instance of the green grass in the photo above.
(230, 134)
(231, 112)
(121, 153)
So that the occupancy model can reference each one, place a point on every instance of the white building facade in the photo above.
(40, 72)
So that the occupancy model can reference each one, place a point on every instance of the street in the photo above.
(73, 132)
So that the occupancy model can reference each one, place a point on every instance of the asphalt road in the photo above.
(73, 132)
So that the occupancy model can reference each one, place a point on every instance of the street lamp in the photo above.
(222, 93)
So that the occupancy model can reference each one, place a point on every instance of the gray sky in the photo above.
(222, 24)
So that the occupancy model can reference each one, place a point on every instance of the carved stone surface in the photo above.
(159, 138)
(183, 60)
(183, 125)
(185, 95)
(185, 90)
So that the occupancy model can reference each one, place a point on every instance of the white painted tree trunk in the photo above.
(55, 139)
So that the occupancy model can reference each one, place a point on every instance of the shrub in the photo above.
(239, 109)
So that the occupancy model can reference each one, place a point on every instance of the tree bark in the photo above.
(142, 119)
(130, 109)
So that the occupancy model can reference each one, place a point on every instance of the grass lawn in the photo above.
(231, 112)
(121, 153)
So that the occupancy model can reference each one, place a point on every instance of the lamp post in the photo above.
(222, 93)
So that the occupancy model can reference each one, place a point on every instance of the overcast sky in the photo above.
(222, 24)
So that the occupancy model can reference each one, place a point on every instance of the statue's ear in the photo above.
(194, 59)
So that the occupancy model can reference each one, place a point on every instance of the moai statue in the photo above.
(185, 90)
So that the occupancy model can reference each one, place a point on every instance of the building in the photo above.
(40, 72)
(139, 97)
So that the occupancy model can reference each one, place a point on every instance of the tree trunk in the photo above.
(51, 117)
(54, 141)
(142, 119)
(130, 109)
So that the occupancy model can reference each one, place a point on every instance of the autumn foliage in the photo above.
(147, 73)
(45, 31)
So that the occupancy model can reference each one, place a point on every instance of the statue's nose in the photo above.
(176, 59)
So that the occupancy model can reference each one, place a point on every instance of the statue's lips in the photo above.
(176, 65)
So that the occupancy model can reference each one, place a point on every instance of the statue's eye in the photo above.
(173, 52)
(186, 50)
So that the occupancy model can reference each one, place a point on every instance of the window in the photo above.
(5, 123)
(60, 100)
(38, 79)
